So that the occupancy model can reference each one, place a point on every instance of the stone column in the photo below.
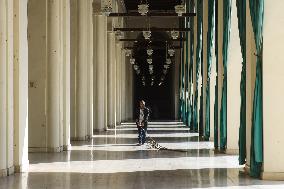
(100, 31)
(250, 81)
(65, 25)
(220, 63)
(273, 91)
(81, 72)
(111, 81)
(53, 76)
(123, 86)
(195, 123)
(234, 80)
(205, 75)
(118, 83)
(6, 88)
(20, 86)
(90, 69)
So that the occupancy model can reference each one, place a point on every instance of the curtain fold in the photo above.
(209, 63)
(198, 61)
(241, 12)
(227, 4)
(257, 14)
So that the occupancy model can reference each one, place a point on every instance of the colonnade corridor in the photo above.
(113, 160)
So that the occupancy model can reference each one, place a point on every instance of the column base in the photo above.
(22, 168)
(46, 149)
(67, 147)
(84, 138)
(111, 126)
(275, 176)
(99, 130)
(232, 151)
(7, 172)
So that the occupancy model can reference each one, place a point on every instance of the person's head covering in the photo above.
(143, 102)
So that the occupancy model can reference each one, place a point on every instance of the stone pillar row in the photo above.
(13, 86)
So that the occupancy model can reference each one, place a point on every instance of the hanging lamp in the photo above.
(180, 9)
(106, 9)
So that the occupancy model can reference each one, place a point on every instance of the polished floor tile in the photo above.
(112, 160)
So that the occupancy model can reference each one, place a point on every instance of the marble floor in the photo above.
(113, 160)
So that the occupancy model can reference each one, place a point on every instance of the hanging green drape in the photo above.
(198, 60)
(191, 62)
(216, 133)
(226, 38)
(241, 10)
(257, 13)
(209, 62)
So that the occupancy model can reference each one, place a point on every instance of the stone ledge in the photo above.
(22, 168)
(276, 176)
(67, 147)
(45, 149)
(7, 172)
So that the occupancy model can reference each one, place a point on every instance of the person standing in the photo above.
(142, 116)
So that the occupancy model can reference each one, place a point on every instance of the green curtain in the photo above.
(198, 61)
(226, 38)
(209, 62)
(257, 14)
(241, 11)
(216, 133)
(191, 62)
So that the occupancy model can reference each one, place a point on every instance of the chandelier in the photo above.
(174, 34)
(149, 60)
(168, 61)
(149, 52)
(165, 71)
(180, 9)
(137, 72)
(119, 34)
(107, 8)
(151, 67)
(166, 66)
(147, 34)
(171, 52)
(132, 61)
(136, 67)
(128, 52)
(143, 9)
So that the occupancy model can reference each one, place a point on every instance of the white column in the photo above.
(100, 31)
(250, 81)
(53, 76)
(81, 72)
(273, 91)
(205, 75)
(111, 81)
(234, 79)
(220, 63)
(20, 86)
(90, 69)
(118, 83)
(6, 88)
(194, 62)
(66, 72)
(123, 86)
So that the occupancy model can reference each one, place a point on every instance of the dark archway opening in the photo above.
(156, 88)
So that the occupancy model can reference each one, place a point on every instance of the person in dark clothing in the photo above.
(142, 116)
